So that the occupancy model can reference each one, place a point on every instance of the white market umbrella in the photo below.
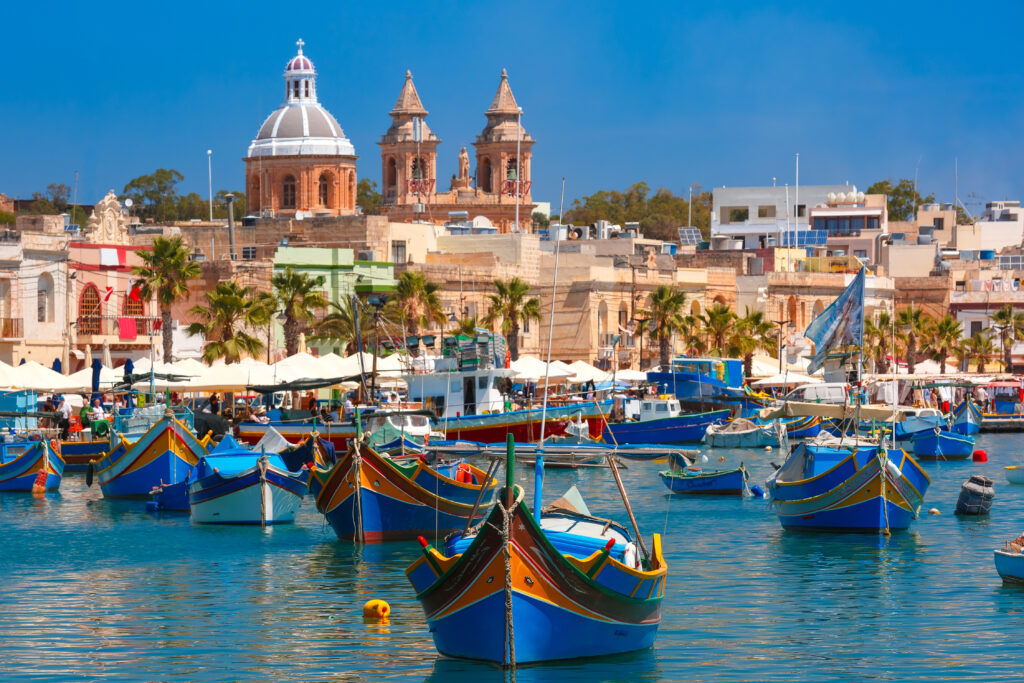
(628, 375)
(37, 377)
(532, 369)
(83, 378)
(585, 372)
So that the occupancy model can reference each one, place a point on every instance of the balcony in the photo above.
(12, 328)
(116, 326)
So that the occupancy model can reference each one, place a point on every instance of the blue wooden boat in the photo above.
(966, 418)
(942, 445)
(576, 588)
(22, 462)
(78, 454)
(163, 455)
(849, 488)
(1010, 562)
(236, 485)
(804, 427)
(682, 428)
(701, 383)
(917, 420)
(369, 497)
(686, 477)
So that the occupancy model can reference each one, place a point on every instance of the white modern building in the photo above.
(758, 217)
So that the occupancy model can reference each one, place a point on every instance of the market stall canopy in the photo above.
(304, 366)
(786, 379)
(186, 366)
(349, 367)
(108, 377)
(631, 376)
(37, 377)
(530, 369)
(585, 372)
(842, 412)
(395, 364)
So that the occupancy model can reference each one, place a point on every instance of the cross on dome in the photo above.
(299, 62)
(300, 42)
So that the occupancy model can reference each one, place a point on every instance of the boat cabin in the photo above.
(658, 408)
(700, 378)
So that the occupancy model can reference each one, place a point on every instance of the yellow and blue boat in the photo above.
(570, 586)
(854, 487)
(966, 418)
(163, 456)
(23, 462)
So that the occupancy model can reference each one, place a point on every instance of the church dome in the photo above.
(300, 126)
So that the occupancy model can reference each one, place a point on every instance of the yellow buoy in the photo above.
(376, 609)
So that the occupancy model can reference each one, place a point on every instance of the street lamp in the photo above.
(209, 176)
(780, 323)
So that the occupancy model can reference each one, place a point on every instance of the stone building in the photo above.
(301, 163)
(503, 151)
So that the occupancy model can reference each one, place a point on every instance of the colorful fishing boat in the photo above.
(742, 433)
(701, 384)
(1010, 565)
(917, 420)
(236, 485)
(661, 421)
(804, 427)
(522, 591)
(78, 454)
(686, 477)
(942, 445)
(162, 456)
(847, 488)
(369, 497)
(966, 418)
(30, 466)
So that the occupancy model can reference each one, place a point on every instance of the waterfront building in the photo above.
(410, 186)
(755, 217)
(301, 163)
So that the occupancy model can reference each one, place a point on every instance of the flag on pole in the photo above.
(841, 324)
(109, 290)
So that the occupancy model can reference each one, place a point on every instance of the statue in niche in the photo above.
(463, 164)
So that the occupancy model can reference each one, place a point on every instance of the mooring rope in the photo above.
(263, 490)
(510, 637)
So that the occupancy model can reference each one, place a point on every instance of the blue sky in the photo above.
(714, 93)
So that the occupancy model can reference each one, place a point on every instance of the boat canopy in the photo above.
(842, 412)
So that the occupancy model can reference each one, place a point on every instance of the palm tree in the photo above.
(913, 324)
(980, 348)
(878, 341)
(230, 309)
(298, 296)
(945, 337)
(417, 303)
(718, 325)
(165, 272)
(466, 326)
(664, 317)
(339, 325)
(513, 308)
(752, 333)
(1011, 327)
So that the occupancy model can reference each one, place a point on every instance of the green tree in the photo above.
(1010, 326)
(229, 311)
(912, 324)
(718, 324)
(659, 215)
(165, 272)
(299, 297)
(220, 204)
(540, 221)
(751, 333)
(7, 218)
(978, 348)
(155, 194)
(945, 336)
(367, 197)
(878, 341)
(191, 206)
(902, 199)
(466, 326)
(664, 318)
(512, 305)
(417, 303)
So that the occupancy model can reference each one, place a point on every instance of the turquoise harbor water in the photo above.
(95, 589)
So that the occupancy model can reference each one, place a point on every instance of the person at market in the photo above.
(214, 403)
(64, 421)
(349, 410)
(96, 413)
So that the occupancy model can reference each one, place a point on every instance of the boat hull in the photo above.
(78, 454)
(966, 418)
(163, 455)
(732, 482)
(248, 497)
(1010, 566)
(681, 429)
(21, 463)
(389, 505)
(854, 495)
(916, 424)
(755, 438)
(943, 446)
(561, 607)
(1014, 474)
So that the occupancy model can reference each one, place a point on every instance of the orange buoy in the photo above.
(377, 610)
(464, 474)
(39, 485)
(980, 455)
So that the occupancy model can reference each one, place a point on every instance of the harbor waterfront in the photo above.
(99, 588)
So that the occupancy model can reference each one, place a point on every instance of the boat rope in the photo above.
(509, 658)
(883, 457)
(437, 504)
(356, 471)
(262, 462)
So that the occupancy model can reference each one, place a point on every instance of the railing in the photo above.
(12, 328)
(109, 325)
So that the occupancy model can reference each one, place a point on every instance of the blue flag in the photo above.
(841, 324)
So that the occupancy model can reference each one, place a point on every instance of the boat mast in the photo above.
(538, 482)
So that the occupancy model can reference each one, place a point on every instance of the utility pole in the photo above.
(780, 323)
(209, 175)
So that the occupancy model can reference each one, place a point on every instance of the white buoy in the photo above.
(768, 448)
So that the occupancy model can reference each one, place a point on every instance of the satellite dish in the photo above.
(128, 202)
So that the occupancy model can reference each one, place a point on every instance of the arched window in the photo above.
(306, 89)
(419, 169)
(136, 308)
(288, 192)
(89, 310)
(695, 308)
(44, 299)
(484, 173)
(323, 189)
(390, 173)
